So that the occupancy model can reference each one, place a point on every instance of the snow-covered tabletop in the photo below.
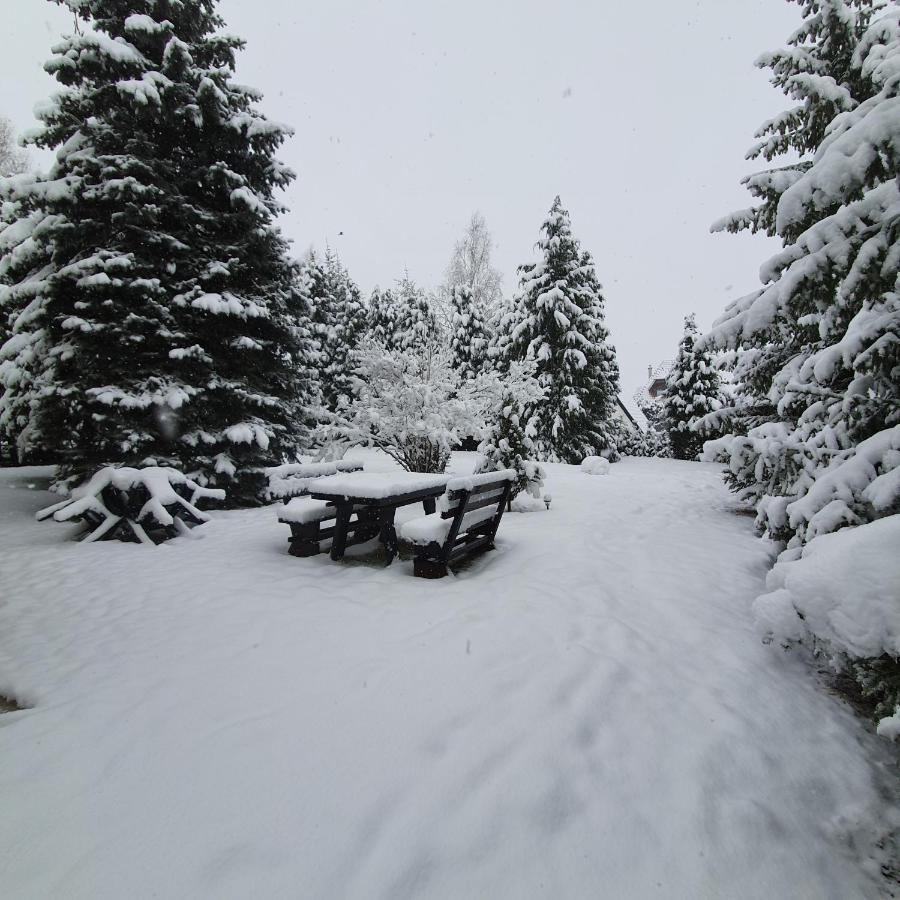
(375, 485)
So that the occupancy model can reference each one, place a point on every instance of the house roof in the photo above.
(633, 413)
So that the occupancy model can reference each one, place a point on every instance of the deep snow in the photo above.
(586, 712)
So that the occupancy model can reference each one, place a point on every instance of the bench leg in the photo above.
(304, 539)
(429, 568)
(339, 544)
(388, 534)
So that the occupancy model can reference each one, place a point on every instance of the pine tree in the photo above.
(468, 333)
(161, 325)
(691, 392)
(817, 437)
(557, 320)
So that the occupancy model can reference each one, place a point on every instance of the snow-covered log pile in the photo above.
(148, 505)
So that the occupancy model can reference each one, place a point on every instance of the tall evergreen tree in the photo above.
(151, 286)
(691, 392)
(557, 320)
(381, 318)
(468, 333)
(415, 323)
(816, 442)
(338, 323)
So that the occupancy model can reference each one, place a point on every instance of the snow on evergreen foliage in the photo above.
(557, 320)
(817, 348)
(691, 392)
(469, 336)
(147, 293)
(509, 439)
(339, 321)
(381, 318)
(415, 325)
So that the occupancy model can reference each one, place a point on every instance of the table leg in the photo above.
(339, 542)
(388, 535)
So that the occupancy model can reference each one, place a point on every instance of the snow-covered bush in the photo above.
(817, 349)
(595, 465)
(147, 505)
(652, 442)
(410, 403)
(841, 598)
(509, 441)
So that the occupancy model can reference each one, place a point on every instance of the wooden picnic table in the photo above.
(375, 497)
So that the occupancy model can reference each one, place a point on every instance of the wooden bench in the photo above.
(466, 522)
(305, 516)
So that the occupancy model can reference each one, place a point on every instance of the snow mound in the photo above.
(595, 465)
(844, 589)
(525, 502)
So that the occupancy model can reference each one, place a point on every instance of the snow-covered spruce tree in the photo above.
(381, 318)
(691, 392)
(818, 72)
(509, 441)
(161, 320)
(468, 333)
(338, 323)
(817, 349)
(415, 323)
(557, 320)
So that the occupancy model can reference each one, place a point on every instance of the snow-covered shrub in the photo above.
(410, 403)
(651, 442)
(595, 465)
(148, 505)
(509, 441)
(840, 596)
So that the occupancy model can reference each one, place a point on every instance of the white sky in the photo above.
(411, 115)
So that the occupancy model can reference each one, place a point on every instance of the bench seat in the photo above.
(303, 510)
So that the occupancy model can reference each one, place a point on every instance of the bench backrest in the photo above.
(469, 532)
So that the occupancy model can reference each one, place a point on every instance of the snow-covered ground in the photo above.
(586, 712)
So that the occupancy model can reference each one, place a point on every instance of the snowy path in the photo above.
(586, 712)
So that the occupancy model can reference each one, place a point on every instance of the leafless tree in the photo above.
(470, 265)
(13, 159)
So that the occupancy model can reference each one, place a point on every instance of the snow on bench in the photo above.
(436, 527)
(470, 514)
(304, 510)
(292, 479)
(375, 485)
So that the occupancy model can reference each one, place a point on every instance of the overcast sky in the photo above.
(410, 115)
